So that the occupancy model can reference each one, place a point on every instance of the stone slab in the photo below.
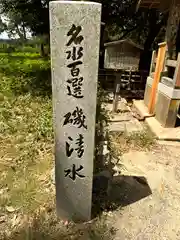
(75, 37)
(166, 110)
(141, 109)
(147, 92)
(169, 143)
(139, 164)
(121, 117)
(168, 134)
(133, 126)
(117, 127)
(169, 91)
(122, 107)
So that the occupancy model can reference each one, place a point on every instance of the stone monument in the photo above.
(75, 36)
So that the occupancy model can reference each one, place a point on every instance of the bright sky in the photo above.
(4, 35)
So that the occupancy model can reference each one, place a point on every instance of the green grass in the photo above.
(22, 73)
(26, 140)
(27, 158)
(140, 141)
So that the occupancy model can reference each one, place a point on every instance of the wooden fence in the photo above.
(129, 80)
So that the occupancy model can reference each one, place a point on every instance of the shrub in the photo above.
(25, 72)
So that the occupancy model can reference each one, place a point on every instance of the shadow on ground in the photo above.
(111, 192)
(116, 192)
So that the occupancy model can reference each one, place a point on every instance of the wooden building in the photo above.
(122, 55)
(162, 5)
(173, 24)
(162, 94)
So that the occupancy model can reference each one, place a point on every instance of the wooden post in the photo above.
(153, 59)
(116, 93)
(158, 70)
(176, 79)
(130, 76)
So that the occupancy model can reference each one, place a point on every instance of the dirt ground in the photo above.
(149, 191)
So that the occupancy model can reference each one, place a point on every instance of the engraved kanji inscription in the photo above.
(72, 173)
(77, 118)
(69, 150)
(79, 143)
(75, 87)
(75, 37)
(80, 146)
(74, 69)
(75, 54)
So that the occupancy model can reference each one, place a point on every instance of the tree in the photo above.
(120, 16)
(28, 14)
(14, 26)
(34, 14)
(3, 26)
(142, 26)
(155, 23)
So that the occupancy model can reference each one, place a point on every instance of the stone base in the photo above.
(141, 109)
(166, 110)
(161, 133)
(115, 127)
(148, 88)
(133, 126)
(167, 105)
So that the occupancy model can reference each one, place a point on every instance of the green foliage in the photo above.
(17, 47)
(27, 49)
(102, 117)
(25, 72)
(26, 139)
(144, 140)
(23, 116)
(121, 143)
(31, 14)
(2, 25)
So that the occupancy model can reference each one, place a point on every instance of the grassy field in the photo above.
(27, 193)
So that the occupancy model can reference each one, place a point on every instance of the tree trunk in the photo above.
(172, 29)
(42, 50)
(154, 29)
(24, 31)
(178, 41)
(45, 42)
(21, 36)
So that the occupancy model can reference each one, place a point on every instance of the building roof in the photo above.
(148, 3)
(109, 44)
(158, 4)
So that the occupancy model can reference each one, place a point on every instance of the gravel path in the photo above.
(151, 210)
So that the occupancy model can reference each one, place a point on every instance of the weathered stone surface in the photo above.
(122, 106)
(147, 93)
(133, 126)
(75, 34)
(166, 110)
(117, 127)
(121, 117)
(141, 109)
(169, 134)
